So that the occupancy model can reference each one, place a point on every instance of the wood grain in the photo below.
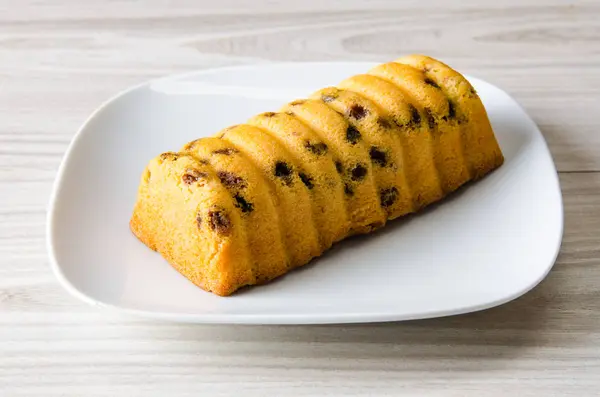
(60, 59)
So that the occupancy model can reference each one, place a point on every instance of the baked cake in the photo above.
(261, 198)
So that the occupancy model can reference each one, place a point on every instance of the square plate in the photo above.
(487, 244)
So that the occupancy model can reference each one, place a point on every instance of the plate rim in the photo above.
(266, 319)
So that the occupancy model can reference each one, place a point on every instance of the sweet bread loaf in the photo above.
(261, 198)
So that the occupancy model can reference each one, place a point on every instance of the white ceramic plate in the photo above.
(486, 245)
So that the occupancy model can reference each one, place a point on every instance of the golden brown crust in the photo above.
(480, 146)
(385, 153)
(264, 197)
(423, 157)
(316, 170)
(254, 199)
(352, 161)
(293, 198)
(449, 156)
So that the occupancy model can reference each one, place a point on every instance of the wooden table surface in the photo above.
(60, 59)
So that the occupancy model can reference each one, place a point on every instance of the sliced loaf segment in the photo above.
(316, 170)
(420, 148)
(352, 161)
(184, 212)
(480, 146)
(252, 196)
(385, 152)
(291, 195)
